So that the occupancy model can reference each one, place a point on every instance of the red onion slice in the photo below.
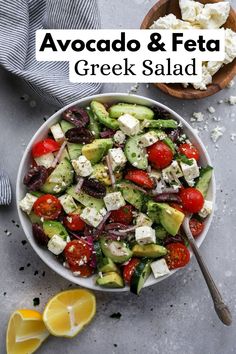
(59, 154)
(102, 223)
(111, 174)
(79, 184)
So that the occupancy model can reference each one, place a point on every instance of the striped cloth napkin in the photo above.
(19, 19)
(5, 189)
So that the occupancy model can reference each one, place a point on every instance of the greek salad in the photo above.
(108, 189)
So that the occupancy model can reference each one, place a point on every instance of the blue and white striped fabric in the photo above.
(19, 19)
(5, 189)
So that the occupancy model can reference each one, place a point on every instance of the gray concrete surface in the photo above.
(175, 316)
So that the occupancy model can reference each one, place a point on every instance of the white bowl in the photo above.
(48, 257)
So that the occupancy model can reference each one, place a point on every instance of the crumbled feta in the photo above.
(232, 100)
(57, 133)
(143, 220)
(206, 209)
(206, 80)
(172, 173)
(91, 216)
(82, 166)
(170, 22)
(114, 201)
(129, 124)
(119, 137)
(190, 9)
(198, 116)
(232, 136)
(213, 66)
(160, 268)
(213, 16)
(45, 160)
(145, 235)
(26, 204)
(230, 46)
(216, 133)
(148, 139)
(56, 245)
(190, 172)
(211, 109)
(68, 203)
(117, 158)
(230, 84)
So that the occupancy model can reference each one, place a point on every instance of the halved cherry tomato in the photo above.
(178, 255)
(83, 271)
(159, 155)
(74, 223)
(44, 147)
(123, 215)
(129, 269)
(140, 177)
(48, 207)
(196, 227)
(177, 206)
(77, 254)
(192, 199)
(190, 151)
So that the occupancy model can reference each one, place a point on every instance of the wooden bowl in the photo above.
(220, 79)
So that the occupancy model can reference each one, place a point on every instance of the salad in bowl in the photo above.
(107, 183)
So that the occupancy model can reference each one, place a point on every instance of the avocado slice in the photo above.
(107, 265)
(85, 199)
(135, 154)
(95, 151)
(117, 251)
(132, 196)
(170, 218)
(100, 172)
(110, 280)
(52, 228)
(150, 251)
(35, 219)
(59, 179)
(161, 233)
(160, 124)
(102, 115)
(153, 211)
(135, 110)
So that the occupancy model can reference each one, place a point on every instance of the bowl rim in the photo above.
(44, 256)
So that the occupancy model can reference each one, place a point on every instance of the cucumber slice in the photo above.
(94, 125)
(204, 180)
(85, 199)
(35, 219)
(132, 196)
(102, 115)
(137, 111)
(59, 179)
(140, 275)
(65, 126)
(117, 251)
(170, 144)
(74, 150)
(161, 124)
(135, 154)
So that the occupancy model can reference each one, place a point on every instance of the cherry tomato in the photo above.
(44, 147)
(140, 177)
(159, 155)
(190, 151)
(48, 207)
(123, 215)
(74, 223)
(177, 207)
(77, 253)
(129, 268)
(178, 255)
(84, 271)
(196, 227)
(192, 200)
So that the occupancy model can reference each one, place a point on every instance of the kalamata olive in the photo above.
(77, 116)
(174, 134)
(39, 235)
(161, 113)
(79, 136)
(109, 133)
(94, 188)
(172, 239)
(35, 177)
(168, 198)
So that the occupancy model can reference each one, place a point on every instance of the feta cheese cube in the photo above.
(91, 216)
(68, 203)
(45, 160)
(190, 9)
(129, 125)
(57, 133)
(143, 220)
(117, 158)
(26, 204)
(159, 268)
(206, 209)
(119, 137)
(148, 139)
(56, 245)
(114, 201)
(190, 172)
(145, 235)
(82, 166)
(213, 16)
(172, 173)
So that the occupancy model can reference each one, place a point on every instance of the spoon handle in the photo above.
(221, 308)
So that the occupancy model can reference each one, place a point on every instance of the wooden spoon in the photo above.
(220, 79)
